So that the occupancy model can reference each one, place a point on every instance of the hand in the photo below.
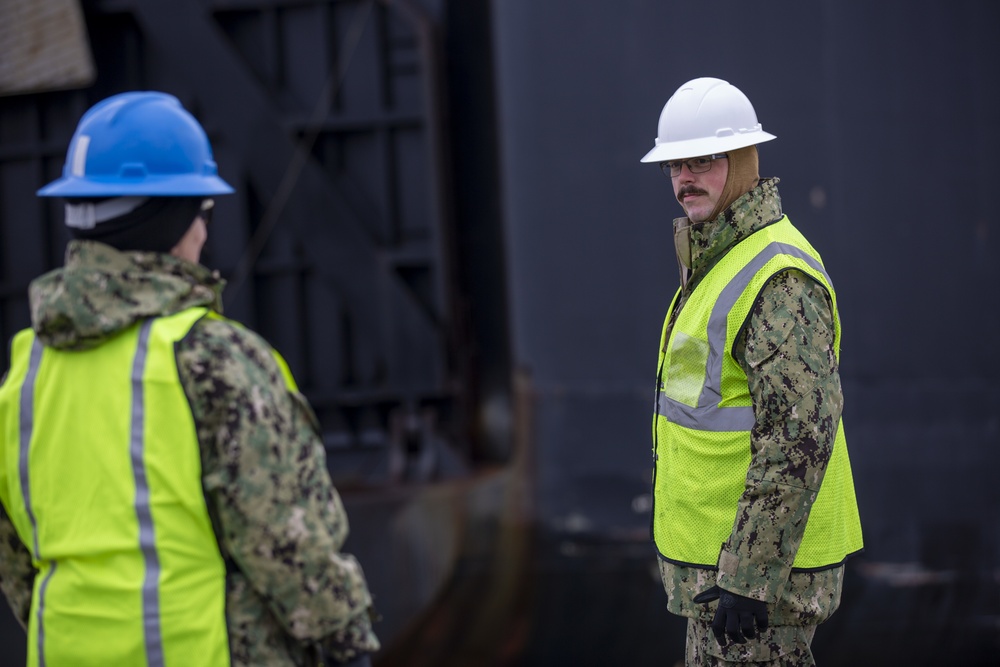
(735, 616)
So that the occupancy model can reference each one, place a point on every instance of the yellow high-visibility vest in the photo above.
(101, 475)
(704, 413)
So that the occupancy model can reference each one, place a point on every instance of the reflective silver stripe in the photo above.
(27, 426)
(27, 419)
(708, 416)
(147, 538)
(41, 610)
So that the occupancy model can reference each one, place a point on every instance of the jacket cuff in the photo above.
(762, 582)
(356, 639)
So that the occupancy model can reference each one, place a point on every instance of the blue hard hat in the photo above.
(138, 144)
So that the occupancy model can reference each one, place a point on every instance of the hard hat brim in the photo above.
(151, 186)
(678, 150)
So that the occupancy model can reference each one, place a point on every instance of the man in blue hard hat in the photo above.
(164, 496)
(754, 511)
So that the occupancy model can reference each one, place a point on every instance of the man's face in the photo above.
(699, 193)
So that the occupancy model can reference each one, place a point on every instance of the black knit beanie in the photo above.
(156, 224)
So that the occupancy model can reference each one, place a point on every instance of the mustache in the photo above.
(689, 190)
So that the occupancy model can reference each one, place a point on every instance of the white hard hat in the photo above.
(703, 117)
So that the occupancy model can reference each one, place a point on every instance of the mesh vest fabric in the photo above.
(102, 477)
(701, 429)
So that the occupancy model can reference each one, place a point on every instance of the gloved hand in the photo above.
(735, 616)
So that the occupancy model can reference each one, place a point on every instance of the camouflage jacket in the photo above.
(280, 524)
(787, 353)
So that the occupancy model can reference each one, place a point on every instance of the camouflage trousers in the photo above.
(783, 646)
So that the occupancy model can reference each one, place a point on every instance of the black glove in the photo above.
(735, 616)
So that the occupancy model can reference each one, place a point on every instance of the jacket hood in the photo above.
(101, 291)
(710, 240)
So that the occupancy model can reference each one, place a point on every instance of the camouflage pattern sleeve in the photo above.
(787, 352)
(279, 518)
(17, 574)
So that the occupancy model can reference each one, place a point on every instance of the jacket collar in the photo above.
(710, 240)
(100, 291)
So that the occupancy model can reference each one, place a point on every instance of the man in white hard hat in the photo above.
(754, 511)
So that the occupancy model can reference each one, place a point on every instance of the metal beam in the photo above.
(184, 38)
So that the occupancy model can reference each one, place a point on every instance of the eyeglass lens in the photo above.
(696, 165)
